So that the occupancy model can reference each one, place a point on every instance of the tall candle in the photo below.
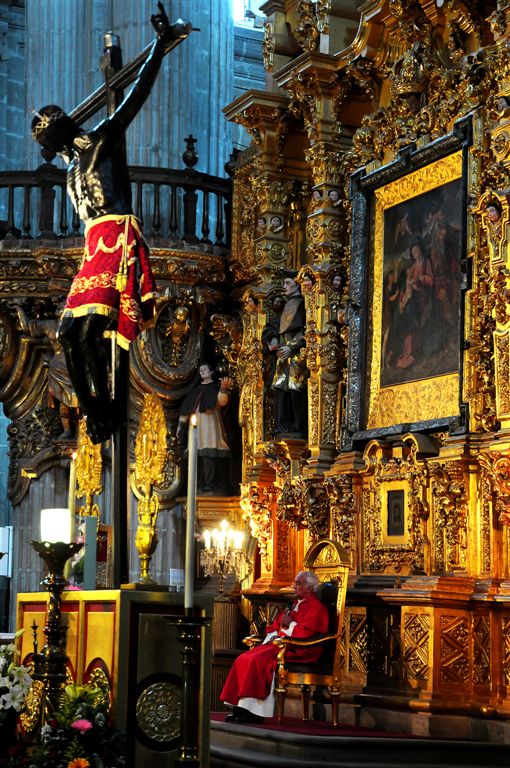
(71, 498)
(189, 568)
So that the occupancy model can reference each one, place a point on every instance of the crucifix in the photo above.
(114, 288)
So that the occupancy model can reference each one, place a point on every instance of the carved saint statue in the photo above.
(214, 455)
(285, 338)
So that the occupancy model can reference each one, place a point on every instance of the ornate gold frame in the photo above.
(392, 539)
(373, 408)
(424, 399)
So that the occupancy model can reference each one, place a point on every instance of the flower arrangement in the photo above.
(15, 683)
(77, 736)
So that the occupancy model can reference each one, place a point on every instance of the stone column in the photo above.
(12, 94)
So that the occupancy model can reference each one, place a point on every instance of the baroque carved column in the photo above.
(313, 89)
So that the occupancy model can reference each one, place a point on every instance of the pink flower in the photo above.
(82, 725)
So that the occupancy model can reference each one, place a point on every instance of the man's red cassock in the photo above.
(252, 672)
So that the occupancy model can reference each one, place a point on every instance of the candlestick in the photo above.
(72, 487)
(189, 567)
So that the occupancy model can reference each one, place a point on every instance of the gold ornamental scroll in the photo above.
(427, 398)
(89, 468)
(150, 458)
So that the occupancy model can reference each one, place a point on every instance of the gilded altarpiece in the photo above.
(409, 361)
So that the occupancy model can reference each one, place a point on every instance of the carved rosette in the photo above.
(158, 712)
(506, 650)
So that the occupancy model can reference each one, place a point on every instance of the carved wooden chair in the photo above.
(330, 562)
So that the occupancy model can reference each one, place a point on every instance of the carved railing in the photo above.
(175, 206)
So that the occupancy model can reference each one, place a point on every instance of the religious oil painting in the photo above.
(415, 281)
(421, 286)
(395, 520)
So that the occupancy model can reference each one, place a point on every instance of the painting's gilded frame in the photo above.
(429, 403)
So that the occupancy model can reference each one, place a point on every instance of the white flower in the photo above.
(15, 682)
(100, 719)
(12, 699)
(46, 731)
(22, 678)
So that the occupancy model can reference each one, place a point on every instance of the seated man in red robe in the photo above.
(250, 682)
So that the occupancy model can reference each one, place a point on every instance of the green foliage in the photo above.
(77, 736)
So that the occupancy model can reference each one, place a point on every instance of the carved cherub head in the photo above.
(493, 210)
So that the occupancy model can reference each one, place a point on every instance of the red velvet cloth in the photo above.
(252, 672)
(115, 278)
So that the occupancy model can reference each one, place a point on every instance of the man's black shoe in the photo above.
(245, 716)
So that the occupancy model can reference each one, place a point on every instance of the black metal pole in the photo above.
(189, 629)
(120, 464)
(111, 63)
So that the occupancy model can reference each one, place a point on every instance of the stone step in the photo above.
(245, 746)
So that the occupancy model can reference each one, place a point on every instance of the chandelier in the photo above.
(223, 553)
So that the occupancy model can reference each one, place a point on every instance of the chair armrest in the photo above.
(252, 641)
(304, 641)
(282, 643)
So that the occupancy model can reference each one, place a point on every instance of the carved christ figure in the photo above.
(114, 287)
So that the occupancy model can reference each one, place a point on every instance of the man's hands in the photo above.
(166, 31)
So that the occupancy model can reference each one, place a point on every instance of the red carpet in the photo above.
(316, 728)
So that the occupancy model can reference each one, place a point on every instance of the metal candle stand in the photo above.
(189, 629)
(50, 663)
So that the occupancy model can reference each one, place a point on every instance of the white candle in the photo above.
(189, 567)
(56, 525)
(71, 503)
(207, 538)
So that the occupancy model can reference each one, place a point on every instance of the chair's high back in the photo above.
(328, 595)
(330, 563)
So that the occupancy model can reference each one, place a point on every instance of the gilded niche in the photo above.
(395, 509)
